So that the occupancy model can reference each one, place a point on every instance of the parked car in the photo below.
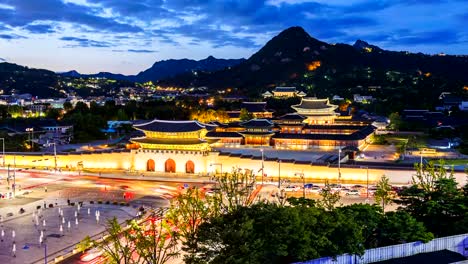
(352, 193)
(291, 188)
(308, 185)
(314, 189)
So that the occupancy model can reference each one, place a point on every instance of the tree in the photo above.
(188, 211)
(270, 233)
(383, 194)
(153, 240)
(435, 200)
(67, 106)
(401, 227)
(245, 115)
(329, 197)
(235, 190)
(395, 121)
(427, 175)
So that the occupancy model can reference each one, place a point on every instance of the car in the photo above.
(336, 187)
(357, 186)
(352, 193)
(91, 255)
(314, 189)
(291, 188)
(308, 185)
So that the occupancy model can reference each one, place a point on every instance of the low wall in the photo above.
(458, 243)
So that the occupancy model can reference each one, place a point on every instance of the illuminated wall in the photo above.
(207, 163)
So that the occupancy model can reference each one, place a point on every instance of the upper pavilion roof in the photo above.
(254, 107)
(292, 116)
(257, 123)
(284, 89)
(173, 126)
(314, 103)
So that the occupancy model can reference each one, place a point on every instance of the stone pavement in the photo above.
(28, 248)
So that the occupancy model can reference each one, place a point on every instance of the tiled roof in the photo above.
(358, 135)
(257, 123)
(223, 135)
(254, 107)
(292, 116)
(284, 89)
(313, 103)
(181, 141)
(172, 126)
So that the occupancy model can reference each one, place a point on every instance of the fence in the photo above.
(458, 243)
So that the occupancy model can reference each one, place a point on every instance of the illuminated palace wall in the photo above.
(138, 160)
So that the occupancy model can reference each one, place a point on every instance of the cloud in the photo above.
(2, 60)
(11, 36)
(437, 37)
(25, 12)
(84, 42)
(39, 28)
(141, 51)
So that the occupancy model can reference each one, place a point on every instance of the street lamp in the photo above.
(279, 174)
(263, 167)
(339, 165)
(218, 164)
(301, 174)
(30, 131)
(367, 188)
(3, 150)
(55, 153)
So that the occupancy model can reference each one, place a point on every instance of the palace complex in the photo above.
(190, 147)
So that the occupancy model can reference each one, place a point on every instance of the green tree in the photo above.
(395, 121)
(269, 233)
(427, 175)
(54, 113)
(188, 211)
(435, 200)
(329, 197)
(67, 106)
(383, 195)
(245, 115)
(401, 227)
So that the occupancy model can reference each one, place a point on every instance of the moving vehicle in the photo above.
(291, 188)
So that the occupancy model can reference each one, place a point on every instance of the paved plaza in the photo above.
(59, 233)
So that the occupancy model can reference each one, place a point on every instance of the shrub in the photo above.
(38, 207)
(99, 202)
(51, 205)
(115, 203)
(72, 204)
(107, 202)
(21, 211)
(91, 202)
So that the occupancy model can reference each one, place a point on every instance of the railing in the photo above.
(458, 243)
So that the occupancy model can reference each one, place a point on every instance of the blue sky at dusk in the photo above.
(127, 36)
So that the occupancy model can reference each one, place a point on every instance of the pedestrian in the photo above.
(13, 250)
(45, 188)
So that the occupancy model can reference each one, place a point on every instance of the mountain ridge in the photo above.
(164, 69)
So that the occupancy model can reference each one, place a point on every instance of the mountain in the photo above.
(294, 58)
(165, 69)
(21, 79)
(362, 45)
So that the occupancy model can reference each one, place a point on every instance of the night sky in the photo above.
(127, 36)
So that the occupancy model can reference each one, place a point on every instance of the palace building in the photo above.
(283, 92)
(317, 111)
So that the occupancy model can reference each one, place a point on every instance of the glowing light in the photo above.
(313, 65)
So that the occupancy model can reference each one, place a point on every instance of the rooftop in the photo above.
(254, 107)
(173, 126)
(257, 123)
(314, 103)
(284, 89)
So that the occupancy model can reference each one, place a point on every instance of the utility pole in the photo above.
(263, 168)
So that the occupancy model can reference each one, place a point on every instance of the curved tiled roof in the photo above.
(173, 126)
(257, 123)
(254, 107)
(313, 103)
(292, 116)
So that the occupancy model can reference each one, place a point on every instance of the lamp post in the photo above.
(301, 174)
(279, 174)
(339, 165)
(3, 150)
(30, 131)
(263, 167)
(55, 153)
(218, 164)
(367, 181)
